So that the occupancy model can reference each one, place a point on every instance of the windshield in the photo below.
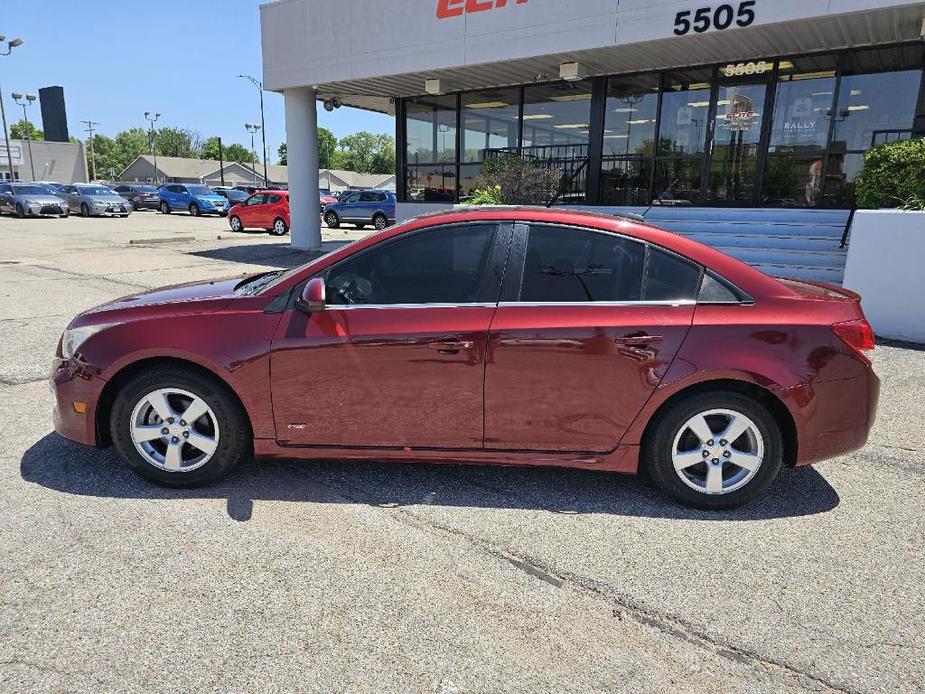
(30, 190)
(200, 190)
(95, 190)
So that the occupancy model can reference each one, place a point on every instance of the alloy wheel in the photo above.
(380, 223)
(235, 224)
(174, 430)
(717, 451)
(279, 227)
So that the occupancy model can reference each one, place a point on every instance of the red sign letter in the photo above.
(476, 6)
(449, 8)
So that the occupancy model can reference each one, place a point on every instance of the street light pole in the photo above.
(152, 121)
(30, 99)
(89, 129)
(252, 128)
(6, 135)
(263, 129)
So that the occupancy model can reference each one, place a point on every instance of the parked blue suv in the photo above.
(362, 207)
(194, 198)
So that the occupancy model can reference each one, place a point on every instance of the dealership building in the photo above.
(736, 115)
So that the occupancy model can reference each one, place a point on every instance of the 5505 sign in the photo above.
(722, 17)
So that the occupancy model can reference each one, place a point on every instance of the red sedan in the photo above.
(265, 209)
(511, 336)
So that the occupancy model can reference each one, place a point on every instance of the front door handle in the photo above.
(637, 339)
(450, 346)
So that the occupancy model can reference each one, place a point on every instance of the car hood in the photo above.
(192, 297)
(44, 199)
(114, 198)
(212, 198)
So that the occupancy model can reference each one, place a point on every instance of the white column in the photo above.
(302, 158)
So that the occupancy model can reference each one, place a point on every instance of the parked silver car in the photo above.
(92, 200)
(31, 200)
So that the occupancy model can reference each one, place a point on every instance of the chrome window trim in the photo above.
(351, 307)
(603, 304)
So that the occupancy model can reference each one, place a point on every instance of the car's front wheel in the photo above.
(714, 450)
(165, 208)
(84, 210)
(235, 223)
(194, 209)
(179, 427)
(20, 212)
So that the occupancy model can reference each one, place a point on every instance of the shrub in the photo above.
(519, 181)
(487, 196)
(893, 175)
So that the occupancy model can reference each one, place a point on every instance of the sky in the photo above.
(117, 59)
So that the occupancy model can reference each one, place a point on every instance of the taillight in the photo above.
(857, 334)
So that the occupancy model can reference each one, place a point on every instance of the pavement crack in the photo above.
(666, 624)
(9, 382)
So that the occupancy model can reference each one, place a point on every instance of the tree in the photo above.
(364, 152)
(327, 150)
(19, 130)
(232, 152)
(130, 144)
(102, 160)
(178, 142)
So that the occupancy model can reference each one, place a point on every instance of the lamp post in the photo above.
(152, 121)
(89, 129)
(13, 43)
(30, 99)
(253, 128)
(259, 85)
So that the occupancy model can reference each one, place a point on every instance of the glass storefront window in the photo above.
(677, 181)
(431, 183)
(557, 114)
(468, 180)
(489, 121)
(626, 182)
(629, 123)
(839, 184)
(431, 129)
(873, 107)
(805, 91)
(685, 114)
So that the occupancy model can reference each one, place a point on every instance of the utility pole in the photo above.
(152, 121)
(221, 163)
(89, 129)
(259, 85)
(13, 43)
(30, 99)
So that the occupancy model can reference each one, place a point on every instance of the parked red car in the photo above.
(325, 200)
(511, 336)
(265, 209)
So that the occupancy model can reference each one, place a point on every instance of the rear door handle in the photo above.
(450, 346)
(637, 339)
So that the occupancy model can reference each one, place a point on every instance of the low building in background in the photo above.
(213, 173)
(64, 162)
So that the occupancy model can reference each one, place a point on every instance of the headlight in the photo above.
(73, 338)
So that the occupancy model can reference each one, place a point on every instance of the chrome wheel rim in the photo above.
(717, 451)
(174, 430)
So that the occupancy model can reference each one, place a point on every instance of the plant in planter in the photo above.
(516, 181)
(893, 176)
(487, 196)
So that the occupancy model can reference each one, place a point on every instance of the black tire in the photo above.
(332, 220)
(84, 210)
(66, 213)
(235, 223)
(194, 209)
(656, 457)
(135, 205)
(380, 222)
(280, 228)
(235, 440)
(20, 212)
(165, 208)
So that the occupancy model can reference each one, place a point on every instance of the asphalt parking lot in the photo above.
(335, 576)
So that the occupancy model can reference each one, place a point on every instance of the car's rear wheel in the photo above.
(165, 208)
(235, 223)
(332, 220)
(178, 427)
(714, 450)
(84, 210)
(380, 221)
(20, 212)
(194, 209)
(279, 227)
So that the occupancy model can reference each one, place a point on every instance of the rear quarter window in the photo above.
(670, 277)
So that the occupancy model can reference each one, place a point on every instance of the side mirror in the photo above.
(312, 299)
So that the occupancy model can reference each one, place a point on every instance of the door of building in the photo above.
(740, 112)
